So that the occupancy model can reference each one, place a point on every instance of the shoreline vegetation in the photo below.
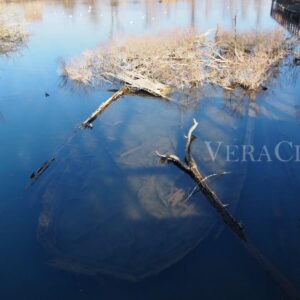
(12, 35)
(179, 60)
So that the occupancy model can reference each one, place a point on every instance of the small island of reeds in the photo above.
(188, 59)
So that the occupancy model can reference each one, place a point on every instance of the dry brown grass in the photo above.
(247, 60)
(187, 59)
(12, 36)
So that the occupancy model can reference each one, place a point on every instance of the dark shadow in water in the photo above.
(287, 14)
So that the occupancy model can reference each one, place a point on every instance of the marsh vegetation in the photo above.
(12, 35)
(228, 59)
(110, 201)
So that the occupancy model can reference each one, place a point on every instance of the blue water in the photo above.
(111, 160)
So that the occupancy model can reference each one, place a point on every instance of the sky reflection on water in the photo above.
(32, 126)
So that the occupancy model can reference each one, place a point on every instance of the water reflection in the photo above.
(148, 222)
(151, 13)
(120, 215)
(85, 182)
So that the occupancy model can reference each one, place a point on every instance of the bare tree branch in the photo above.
(189, 141)
(171, 158)
(215, 175)
(88, 123)
(192, 193)
(191, 168)
(237, 228)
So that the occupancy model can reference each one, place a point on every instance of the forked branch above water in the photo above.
(190, 167)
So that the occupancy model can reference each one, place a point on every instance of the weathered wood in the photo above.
(190, 167)
(89, 121)
(143, 83)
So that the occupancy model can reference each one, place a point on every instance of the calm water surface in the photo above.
(107, 189)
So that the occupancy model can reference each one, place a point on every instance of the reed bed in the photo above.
(12, 36)
(186, 59)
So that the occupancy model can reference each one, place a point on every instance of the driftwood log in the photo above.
(190, 167)
(88, 123)
(138, 82)
(130, 85)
